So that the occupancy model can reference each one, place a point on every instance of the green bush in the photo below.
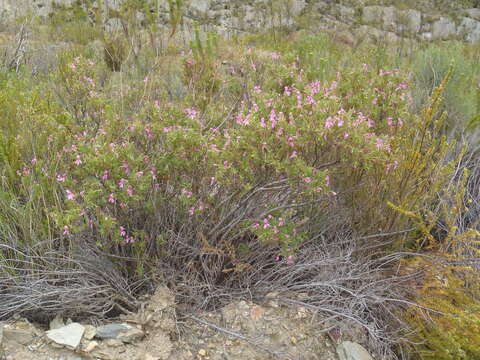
(460, 99)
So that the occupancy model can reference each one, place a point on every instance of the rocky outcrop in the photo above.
(227, 16)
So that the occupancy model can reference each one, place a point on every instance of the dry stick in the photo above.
(237, 335)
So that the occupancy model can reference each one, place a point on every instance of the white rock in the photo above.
(69, 335)
(348, 350)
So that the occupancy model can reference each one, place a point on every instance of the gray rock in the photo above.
(343, 13)
(390, 18)
(123, 332)
(19, 336)
(200, 5)
(473, 13)
(69, 335)
(372, 14)
(385, 16)
(470, 30)
(443, 29)
(56, 323)
(372, 32)
(348, 350)
(412, 20)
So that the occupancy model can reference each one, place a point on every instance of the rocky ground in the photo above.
(241, 330)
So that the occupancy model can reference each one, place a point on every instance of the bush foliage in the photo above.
(166, 156)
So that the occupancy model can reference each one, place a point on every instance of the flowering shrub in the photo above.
(290, 151)
(229, 160)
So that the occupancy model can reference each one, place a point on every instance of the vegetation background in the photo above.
(344, 177)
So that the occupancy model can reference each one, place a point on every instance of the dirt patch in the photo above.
(241, 330)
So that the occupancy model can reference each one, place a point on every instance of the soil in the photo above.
(241, 330)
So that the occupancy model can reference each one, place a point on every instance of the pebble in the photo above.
(92, 345)
(123, 332)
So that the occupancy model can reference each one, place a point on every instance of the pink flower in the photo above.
(191, 113)
(262, 122)
(293, 155)
(275, 56)
(380, 143)
(123, 233)
(187, 193)
(273, 118)
(129, 240)
(256, 226)
(61, 177)
(139, 174)
(66, 230)
(78, 160)
(122, 183)
(153, 172)
(148, 132)
(290, 260)
(111, 199)
(191, 211)
(34, 161)
(105, 175)
(308, 180)
(266, 223)
(327, 180)
(290, 141)
(310, 100)
(130, 190)
(125, 167)
(70, 195)
(329, 122)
